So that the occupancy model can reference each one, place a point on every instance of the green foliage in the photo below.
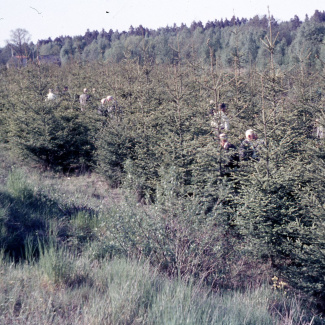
(75, 270)
(229, 39)
(125, 292)
(195, 217)
(49, 49)
(56, 263)
(24, 215)
(272, 209)
(52, 132)
(54, 137)
(178, 238)
(83, 226)
(29, 217)
(306, 242)
(114, 146)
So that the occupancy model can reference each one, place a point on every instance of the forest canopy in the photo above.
(241, 37)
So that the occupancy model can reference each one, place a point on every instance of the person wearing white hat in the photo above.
(107, 105)
(248, 148)
(106, 100)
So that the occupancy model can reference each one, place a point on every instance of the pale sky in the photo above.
(52, 18)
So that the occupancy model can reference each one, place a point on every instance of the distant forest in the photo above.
(236, 40)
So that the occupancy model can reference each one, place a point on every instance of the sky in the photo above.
(53, 18)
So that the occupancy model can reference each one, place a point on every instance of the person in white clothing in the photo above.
(220, 121)
(50, 96)
(83, 98)
(320, 132)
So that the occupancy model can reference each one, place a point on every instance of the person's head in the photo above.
(223, 138)
(109, 98)
(222, 107)
(85, 90)
(50, 90)
(250, 135)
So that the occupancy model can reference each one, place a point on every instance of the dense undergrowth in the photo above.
(72, 256)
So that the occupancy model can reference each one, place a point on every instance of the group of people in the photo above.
(249, 147)
(106, 106)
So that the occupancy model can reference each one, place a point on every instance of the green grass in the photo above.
(127, 292)
(104, 259)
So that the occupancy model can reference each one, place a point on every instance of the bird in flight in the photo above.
(36, 11)
(107, 12)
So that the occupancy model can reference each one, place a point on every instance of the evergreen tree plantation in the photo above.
(144, 197)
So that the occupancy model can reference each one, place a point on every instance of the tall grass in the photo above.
(127, 292)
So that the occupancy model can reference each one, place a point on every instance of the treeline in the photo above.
(240, 38)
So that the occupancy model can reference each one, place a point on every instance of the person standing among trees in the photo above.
(107, 106)
(84, 98)
(249, 147)
(220, 121)
(65, 92)
(225, 144)
(50, 96)
(230, 150)
(320, 133)
(211, 107)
